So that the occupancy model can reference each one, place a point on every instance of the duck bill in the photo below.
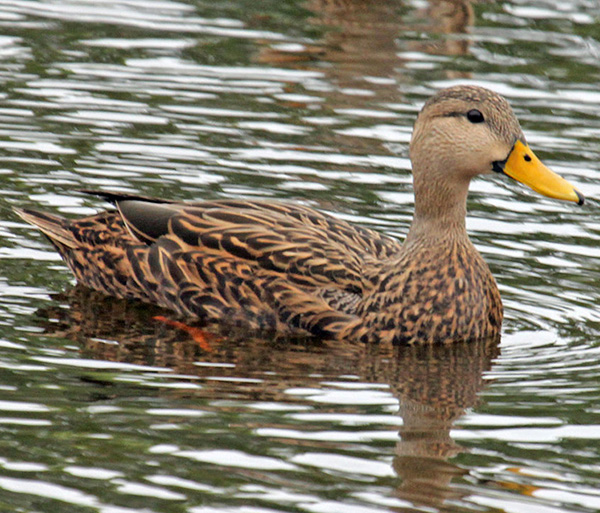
(523, 166)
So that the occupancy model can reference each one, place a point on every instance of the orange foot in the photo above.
(198, 335)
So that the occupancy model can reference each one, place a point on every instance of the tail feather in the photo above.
(54, 227)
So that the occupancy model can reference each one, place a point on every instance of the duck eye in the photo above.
(475, 116)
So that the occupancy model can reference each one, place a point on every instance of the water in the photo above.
(102, 408)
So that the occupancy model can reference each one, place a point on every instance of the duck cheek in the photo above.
(475, 165)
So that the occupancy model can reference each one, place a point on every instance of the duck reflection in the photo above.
(367, 48)
(362, 41)
(434, 385)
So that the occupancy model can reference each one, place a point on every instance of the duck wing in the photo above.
(270, 264)
(310, 248)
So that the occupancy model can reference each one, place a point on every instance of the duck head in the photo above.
(466, 131)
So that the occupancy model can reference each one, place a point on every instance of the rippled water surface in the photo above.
(102, 408)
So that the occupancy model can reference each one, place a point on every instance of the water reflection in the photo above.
(308, 99)
(433, 385)
(363, 39)
(366, 51)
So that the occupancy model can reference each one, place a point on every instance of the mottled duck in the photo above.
(285, 267)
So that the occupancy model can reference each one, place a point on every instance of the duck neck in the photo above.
(440, 211)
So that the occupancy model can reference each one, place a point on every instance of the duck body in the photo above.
(279, 267)
(283, 267)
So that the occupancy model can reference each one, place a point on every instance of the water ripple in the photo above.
(105, 409)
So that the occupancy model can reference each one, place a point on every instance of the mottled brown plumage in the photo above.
(285, 267)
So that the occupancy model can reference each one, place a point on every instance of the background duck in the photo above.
(287, 267)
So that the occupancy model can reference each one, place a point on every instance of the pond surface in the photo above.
(102, 408)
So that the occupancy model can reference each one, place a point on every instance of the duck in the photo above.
(289, 268)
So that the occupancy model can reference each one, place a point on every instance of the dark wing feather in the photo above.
(147, 221)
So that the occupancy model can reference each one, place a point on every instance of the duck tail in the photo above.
(54, 227)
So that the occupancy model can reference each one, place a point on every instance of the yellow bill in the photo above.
(525, 167)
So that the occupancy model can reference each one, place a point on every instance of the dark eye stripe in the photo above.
(474, 115)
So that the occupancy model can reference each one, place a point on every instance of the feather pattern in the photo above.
(275, 266)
